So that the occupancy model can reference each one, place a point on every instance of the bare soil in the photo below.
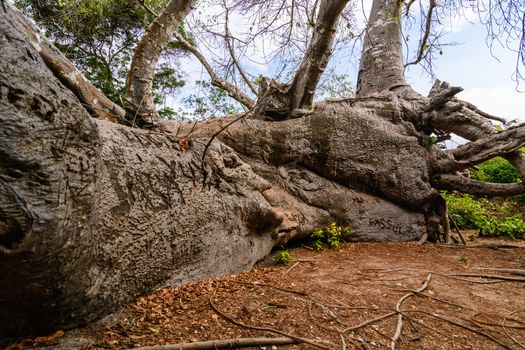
(329, 296)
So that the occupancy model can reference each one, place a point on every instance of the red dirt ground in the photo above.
(322, 296)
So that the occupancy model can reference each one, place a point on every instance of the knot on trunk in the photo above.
(273, 100)
(15, 218)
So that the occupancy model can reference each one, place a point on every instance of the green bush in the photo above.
(513, 227)
(495, 170)
(466, 211)
(492, 219)
(333, 235)
(283, 258)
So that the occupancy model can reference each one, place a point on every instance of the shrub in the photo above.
(283, 258)
(513, 227)
(495, 170)
(333, 235)
(466, 211)
(490, 218)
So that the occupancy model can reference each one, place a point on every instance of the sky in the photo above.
(486, 80)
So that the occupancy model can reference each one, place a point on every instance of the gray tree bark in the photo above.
(93, 214)
(381, 65)
(140, 106)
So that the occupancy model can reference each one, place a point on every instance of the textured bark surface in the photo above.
(140, 106)
(93, 99)
(94, 214)
(381, 65)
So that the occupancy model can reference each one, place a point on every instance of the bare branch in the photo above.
(231, 89)
(500, 144)
(229, 44)
(423, 45)
(477, 188)
(224, 344)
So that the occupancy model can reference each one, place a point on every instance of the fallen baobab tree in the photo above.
(95, 212)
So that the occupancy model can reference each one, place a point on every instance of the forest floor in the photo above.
(338, 299)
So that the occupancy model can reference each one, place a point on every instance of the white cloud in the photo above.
(503, 101)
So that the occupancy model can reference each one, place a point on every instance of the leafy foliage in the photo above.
(465, 210)
(491, 218)
(210, 101)
(99, 37)
(283, 258)
(495, 170)
(332, 235)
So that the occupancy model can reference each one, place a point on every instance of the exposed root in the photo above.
(457, 324)
(223, 344)
(399, 326)
(494, 277)
(268, 329)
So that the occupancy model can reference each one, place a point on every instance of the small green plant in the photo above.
(332, 235)
(491, 218)
(463, 259)
(495, 170)
(465, 210)
(283, 257)
(513, 227)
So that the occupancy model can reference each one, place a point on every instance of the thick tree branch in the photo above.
(93, 99)
(140, 106)
(504, 144)
(477, 188)
(467, 121)
(505, 141)
(316, 58)
(231, 89)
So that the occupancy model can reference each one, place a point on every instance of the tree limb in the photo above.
(227, 38)
(93, 99)
(428, 21)
(316, 58)
(477, 188)
(223, 344)
(231, 89)
(139, 96)
(505, 144)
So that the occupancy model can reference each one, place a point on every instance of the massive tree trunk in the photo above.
(94, 213)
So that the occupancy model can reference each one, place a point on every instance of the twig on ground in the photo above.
(427, 326)
(291, 268)
(343, 342)
(223, 344)
(483, 245)
(274, 287)
(516, 272)
(494, 277)
(517, 323)
(267, 329)
(399, 326)
(475, 281)
(436, 299)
